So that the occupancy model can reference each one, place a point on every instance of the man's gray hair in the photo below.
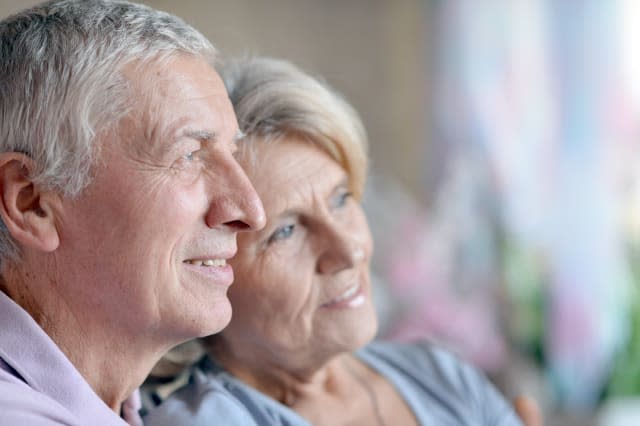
(61, 81)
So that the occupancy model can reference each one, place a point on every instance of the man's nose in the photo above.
(235, 202)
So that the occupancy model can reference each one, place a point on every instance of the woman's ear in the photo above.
(26, 209)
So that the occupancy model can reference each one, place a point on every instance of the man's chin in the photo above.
(217, 318)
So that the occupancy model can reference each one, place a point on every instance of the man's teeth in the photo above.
(347, 294)
(207, 262)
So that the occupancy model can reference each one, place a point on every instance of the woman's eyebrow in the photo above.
(344, 183)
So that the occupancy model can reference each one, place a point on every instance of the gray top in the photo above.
(439, 388)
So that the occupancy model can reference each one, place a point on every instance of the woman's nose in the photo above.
(341, 251)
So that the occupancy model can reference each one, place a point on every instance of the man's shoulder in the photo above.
(22, 405)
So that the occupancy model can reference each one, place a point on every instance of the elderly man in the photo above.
(120, 204)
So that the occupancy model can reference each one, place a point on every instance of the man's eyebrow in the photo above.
(239, 136)
(201, 135)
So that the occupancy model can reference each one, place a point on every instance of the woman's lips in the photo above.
(352, 297)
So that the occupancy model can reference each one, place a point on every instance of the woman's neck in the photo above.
(342, 390)
(283, 381)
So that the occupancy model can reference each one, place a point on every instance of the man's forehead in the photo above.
(175, 83)
(183, 98)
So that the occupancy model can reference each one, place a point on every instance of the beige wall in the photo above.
(11, 6)
(373, 51)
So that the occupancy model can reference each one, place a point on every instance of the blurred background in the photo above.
(505, 185)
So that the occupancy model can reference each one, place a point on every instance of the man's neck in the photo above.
(114, 368)
(113, 363)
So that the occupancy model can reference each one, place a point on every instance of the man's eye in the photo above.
(281, 233)
(190, 156)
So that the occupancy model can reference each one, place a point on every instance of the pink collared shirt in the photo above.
(40, 386)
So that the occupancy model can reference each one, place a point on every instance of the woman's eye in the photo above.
(342, 198)
(281, 233)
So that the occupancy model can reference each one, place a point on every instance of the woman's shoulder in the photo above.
(430, 362)
(429, 372)
(214, 396)
(199, 402)
(419, 354)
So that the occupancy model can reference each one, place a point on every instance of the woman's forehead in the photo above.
(285, 171)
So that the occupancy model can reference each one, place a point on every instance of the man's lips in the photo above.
(218, 259)
(214, 268)
(207, 262)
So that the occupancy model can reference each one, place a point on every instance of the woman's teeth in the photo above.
(207, 262)
(347, 294)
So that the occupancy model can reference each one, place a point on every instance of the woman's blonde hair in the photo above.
(274, 99)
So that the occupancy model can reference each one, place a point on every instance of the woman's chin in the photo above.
(372, 331)
(361, 331)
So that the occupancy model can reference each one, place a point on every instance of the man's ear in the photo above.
(26, 209)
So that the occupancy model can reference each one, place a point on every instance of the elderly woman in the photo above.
(298, 349)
